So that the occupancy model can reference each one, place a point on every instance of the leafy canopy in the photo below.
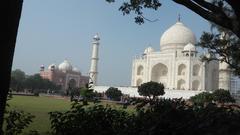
(113, 93)
(151, 90)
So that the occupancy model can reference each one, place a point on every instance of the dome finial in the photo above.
(179, 18)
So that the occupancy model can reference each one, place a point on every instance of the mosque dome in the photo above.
(65, 66)
(148, 50)
(189, 47)
(52, 67)
(176, 37)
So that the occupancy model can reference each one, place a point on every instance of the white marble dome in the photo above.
(189, 47)
(148, 50)
(176, 37)
(65, 66)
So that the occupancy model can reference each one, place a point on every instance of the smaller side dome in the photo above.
(75, 69)
(148, 50)
(52, 67)
(189, 47)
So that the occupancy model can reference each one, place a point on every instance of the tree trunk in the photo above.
(10, 18)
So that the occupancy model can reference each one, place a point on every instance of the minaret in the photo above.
(224, 71)
(94, 61)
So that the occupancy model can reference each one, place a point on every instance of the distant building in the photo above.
(64, 75)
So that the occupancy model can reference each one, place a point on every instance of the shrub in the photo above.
(114, 93)
(222, 96)
(16, 120)
(201, 98)
(164, 116)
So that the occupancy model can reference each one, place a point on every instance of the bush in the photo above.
(114, 94)
(16, 120)
(165, 116)
(201, 98)
(90, 120)
(219, 96)
(222, 96)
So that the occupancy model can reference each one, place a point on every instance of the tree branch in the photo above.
(216, 17)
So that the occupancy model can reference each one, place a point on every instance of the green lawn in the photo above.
(40, 106)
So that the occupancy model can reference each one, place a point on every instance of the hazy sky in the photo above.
(53, 30)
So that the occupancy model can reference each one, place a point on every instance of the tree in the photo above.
(225, 13)
(151, 90)
(223, 46)
(17, 80)
(222, 96)
(12, 12)
(114, 93)
(37, 84)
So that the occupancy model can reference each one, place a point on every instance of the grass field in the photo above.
(40, 106)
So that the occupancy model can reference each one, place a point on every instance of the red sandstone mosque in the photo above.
(64, 75)
(67, 76)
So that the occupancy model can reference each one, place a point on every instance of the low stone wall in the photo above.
(132, 92)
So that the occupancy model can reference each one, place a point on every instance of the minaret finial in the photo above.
(179, 17)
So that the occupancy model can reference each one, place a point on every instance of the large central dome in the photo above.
(176, 37)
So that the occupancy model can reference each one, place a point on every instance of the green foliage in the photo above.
(113, 93)
(222, 96)
(16, 120)
(201, 98)
(95, 119)
(19, 82)
(151, 90)
(164, 116)
(222, 47)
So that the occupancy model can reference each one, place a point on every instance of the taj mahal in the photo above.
(178, 65)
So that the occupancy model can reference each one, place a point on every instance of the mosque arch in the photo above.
(159, 72)
(196, 70)
(195, 85)
(181, 69)
(72, 83)
(181, 84)
(139, 82)
(140, 70)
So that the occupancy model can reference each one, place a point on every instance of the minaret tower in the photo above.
(224, 71)
(94, 61)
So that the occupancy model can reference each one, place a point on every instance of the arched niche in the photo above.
(195, 85)
(181, 84)
(139, 82)
(72, 83)
(196, 70)
(159, 71)
(140, 70)
(182, 69)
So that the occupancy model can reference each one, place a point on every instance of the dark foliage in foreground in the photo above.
(16, 120)
(219, 96)
(163, 116)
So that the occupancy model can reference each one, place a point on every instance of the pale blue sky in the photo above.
(53, 30)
